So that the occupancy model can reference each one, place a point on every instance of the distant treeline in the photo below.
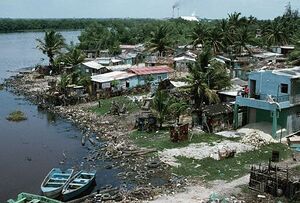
(19, 25)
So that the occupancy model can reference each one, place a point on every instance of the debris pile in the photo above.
(204, 150)
(214, 198)
(257, 138)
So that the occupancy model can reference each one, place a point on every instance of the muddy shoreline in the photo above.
(150, 176)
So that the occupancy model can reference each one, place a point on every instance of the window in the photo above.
(159, 78)
(127, 84)
(284, 88)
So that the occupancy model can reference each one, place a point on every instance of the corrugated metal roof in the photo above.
(151, 70)
(184, 58)
(217, 109)
(93, 65)
(290, 72)
(119, 67)
(108, 77)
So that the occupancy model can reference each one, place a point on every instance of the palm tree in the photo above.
(63, 82)
(243, 38)
(294, 56)
(160, 41)
(161, 103)
(74, 78)
(228, 34)
(215, 39)
(276, 34)
(198, 35)
(178, 108)
(234, 20)
(51, 45)
(205, 79)
(74, 57)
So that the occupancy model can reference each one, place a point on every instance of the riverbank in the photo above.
(150, 160)
(142, 167)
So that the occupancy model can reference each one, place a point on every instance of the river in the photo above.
(30, 149)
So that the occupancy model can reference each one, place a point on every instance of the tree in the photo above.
(74, 78)
(276, 34)
(177, 108)
(160, 41)
(205, 79)
(98, 37)
(198, 35)
(294, 56)
(215, 39)
(234, 19)
(243, 38)
(161, 103)
(51, 45)
(74, 56)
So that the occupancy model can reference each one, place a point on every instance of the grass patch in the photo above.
(297, 168)
(106, 104)
(228, 169)
(161, 140)
(16, 116)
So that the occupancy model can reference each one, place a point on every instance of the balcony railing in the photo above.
(278, 99)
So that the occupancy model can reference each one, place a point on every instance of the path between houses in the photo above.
(196, 193)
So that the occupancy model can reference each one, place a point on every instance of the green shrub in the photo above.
(16, 116)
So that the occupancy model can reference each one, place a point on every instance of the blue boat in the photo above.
(55, 181)
(82, 181)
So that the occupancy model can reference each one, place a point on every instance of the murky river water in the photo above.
(29, 149)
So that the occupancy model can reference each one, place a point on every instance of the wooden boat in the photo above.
(78, 184)
(30, 198)
(55, 181)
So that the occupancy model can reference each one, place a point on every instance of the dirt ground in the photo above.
(201, 192)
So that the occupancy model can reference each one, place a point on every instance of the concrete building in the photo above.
(274, 97)
(130, 78)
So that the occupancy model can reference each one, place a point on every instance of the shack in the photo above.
(217, 117)
(275, 180)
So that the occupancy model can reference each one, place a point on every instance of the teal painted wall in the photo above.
(263, 115)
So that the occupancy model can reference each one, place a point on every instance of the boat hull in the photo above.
(73, 194)
(58, 180)
(26, 197)
(53, 194)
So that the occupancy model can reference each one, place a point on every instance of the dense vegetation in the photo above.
(231, 35)
(227, 35)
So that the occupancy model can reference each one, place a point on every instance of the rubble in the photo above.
(256, 138)
(203, 150)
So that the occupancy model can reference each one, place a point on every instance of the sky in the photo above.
(211, 9)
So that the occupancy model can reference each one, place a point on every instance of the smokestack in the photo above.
(176, 5)
(178, 12)
(173, 12)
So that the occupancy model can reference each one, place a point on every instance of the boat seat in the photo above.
(80, 180)
(53, 183)
(60, 174)
(76, 184)
(58, 179)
